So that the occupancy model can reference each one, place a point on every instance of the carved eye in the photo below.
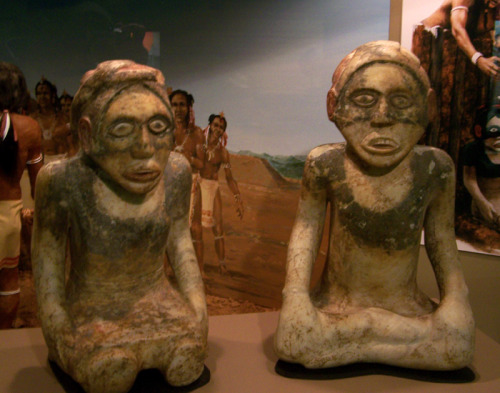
(401, 101)
(364, 99)
(122, 129)
(157, 126)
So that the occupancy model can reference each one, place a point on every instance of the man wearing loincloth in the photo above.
(216, 156)
(20, 147)
(188, 139)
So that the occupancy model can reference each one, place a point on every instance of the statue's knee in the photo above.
(111, 370)
(185, 365)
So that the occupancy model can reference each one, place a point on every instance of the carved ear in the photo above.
(432, 109)
(331, 103)
(85, 134)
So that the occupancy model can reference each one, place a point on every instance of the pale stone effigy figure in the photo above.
(121, 203)
(382, 189)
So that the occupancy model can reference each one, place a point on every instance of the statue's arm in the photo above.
(299, 319)
(307, 231)
(440, 241)
(49, 238)
(453, 315)
(181, 251)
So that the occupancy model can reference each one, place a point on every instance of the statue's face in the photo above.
(382, 113)
(180, 107)
(134, 140)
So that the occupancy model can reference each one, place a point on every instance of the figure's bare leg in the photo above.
(218, 231)
(196, 229)
(9, 296)
(111, 370)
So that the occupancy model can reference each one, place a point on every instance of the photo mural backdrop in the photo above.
(266, 65)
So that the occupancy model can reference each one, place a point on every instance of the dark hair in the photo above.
(50, 85)
(14, 95)
(221, 117)
(189, 97)
(64, 95)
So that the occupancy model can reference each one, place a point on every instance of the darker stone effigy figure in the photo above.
(382, 189)
(120, 204)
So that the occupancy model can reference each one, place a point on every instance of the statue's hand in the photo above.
(197, 301)
(455, 315)
(62, 344)
(299, 324)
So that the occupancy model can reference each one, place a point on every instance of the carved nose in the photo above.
(381, 117)
(143, 148)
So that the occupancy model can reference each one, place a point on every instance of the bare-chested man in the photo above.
(46, 115)
(120, 204)
(20, 147)
(188, 139)
(216, 156)
(62, 136)
(382, 189)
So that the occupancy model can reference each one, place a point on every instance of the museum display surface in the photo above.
(118, 206)
(382, 189)
(241, 359)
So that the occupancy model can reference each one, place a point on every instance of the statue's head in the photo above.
(381, 101)
(124, 122)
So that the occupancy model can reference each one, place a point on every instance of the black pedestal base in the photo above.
(293, 370)
(147, 381)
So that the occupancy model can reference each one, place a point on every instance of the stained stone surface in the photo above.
(383, 189)
(117, 208)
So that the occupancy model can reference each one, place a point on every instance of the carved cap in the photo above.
(98, 87)
(370, 53)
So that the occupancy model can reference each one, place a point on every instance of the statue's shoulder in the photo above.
(178, 169)
(324, 158)
(433, 159)
(56, 180)
(326, 151)
(324, 165)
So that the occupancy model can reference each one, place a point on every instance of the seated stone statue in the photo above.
(119, 204)
(382, 190)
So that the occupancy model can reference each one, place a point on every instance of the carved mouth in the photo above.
(142, 175)
(381, 145)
